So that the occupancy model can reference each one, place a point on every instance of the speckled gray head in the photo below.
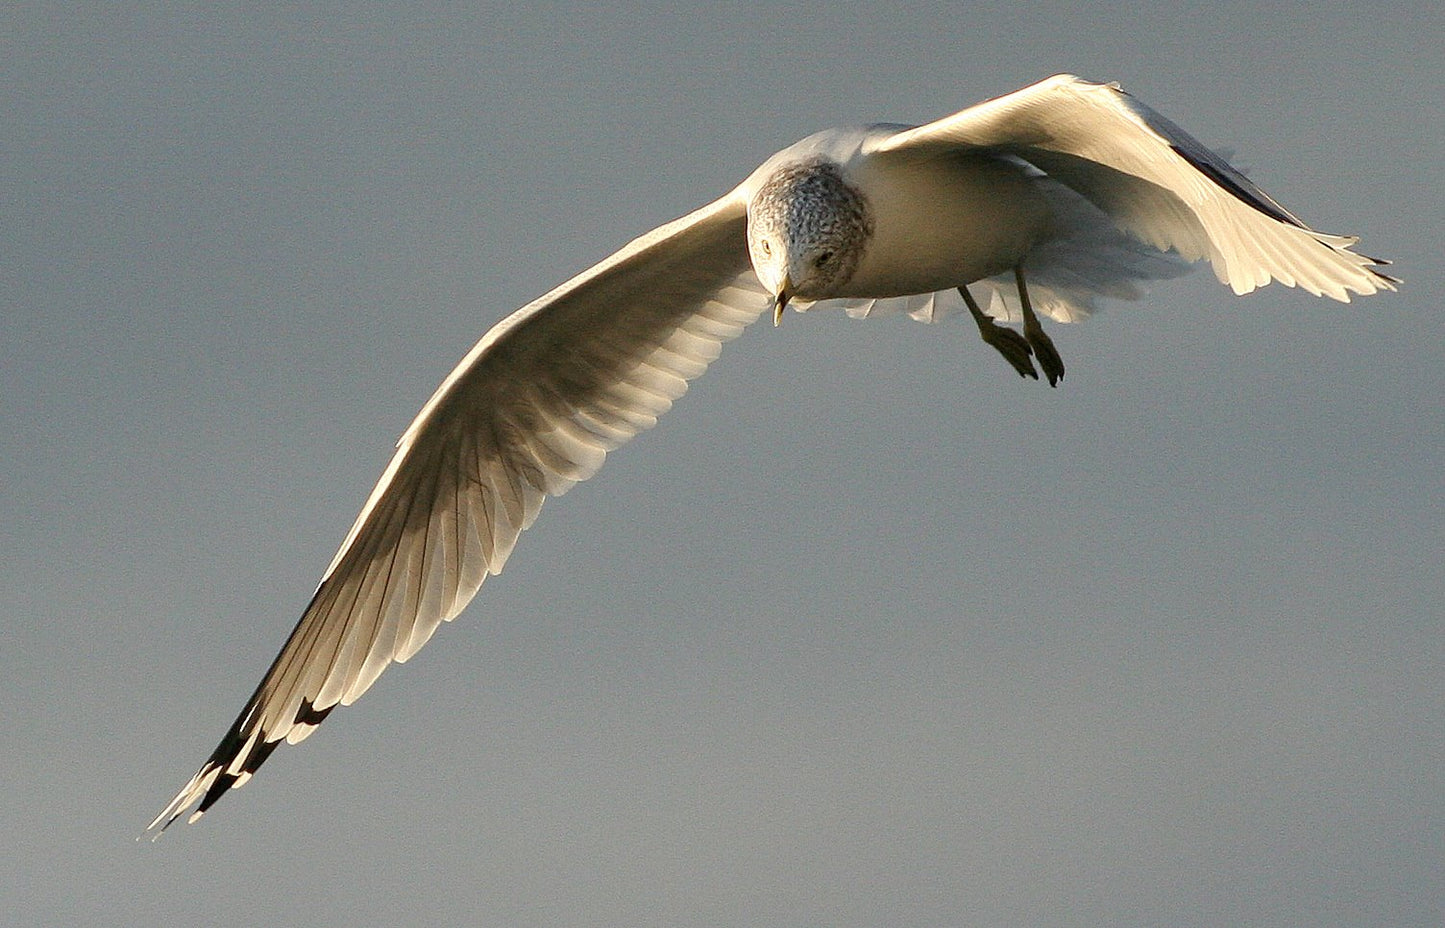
(807, 230)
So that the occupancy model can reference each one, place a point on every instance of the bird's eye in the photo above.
(822, 259)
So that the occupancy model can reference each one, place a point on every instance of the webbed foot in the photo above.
(1013, 346)
(1042, 345)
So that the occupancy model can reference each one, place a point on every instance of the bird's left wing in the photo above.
(532, 409)
(1155, 181)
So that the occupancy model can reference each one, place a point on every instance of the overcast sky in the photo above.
(868, 632)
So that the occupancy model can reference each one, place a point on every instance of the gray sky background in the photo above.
(867, 632)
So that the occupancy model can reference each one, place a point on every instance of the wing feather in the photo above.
(533, 409)
(1156, 182)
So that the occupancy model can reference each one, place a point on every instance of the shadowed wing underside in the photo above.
(533, 409)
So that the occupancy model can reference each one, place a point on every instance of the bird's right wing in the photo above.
(532, 409)
(1155, 181)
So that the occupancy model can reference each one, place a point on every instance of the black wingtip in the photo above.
(1251, 196)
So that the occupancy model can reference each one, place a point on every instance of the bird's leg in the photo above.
(1042, 345)
(1013, 346)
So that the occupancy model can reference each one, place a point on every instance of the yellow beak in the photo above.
(780, 303)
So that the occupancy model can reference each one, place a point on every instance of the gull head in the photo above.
(807, 229)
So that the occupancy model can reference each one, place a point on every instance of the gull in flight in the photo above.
(1031, 204)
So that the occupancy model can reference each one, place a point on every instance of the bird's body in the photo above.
(985, 215)
(1043, 201)
(935, 223)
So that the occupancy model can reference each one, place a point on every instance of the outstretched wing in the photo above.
(1157, 183)
(532, 409)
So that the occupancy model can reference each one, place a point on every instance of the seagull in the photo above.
(1036, 203)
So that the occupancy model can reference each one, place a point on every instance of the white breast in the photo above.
(940, 223)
